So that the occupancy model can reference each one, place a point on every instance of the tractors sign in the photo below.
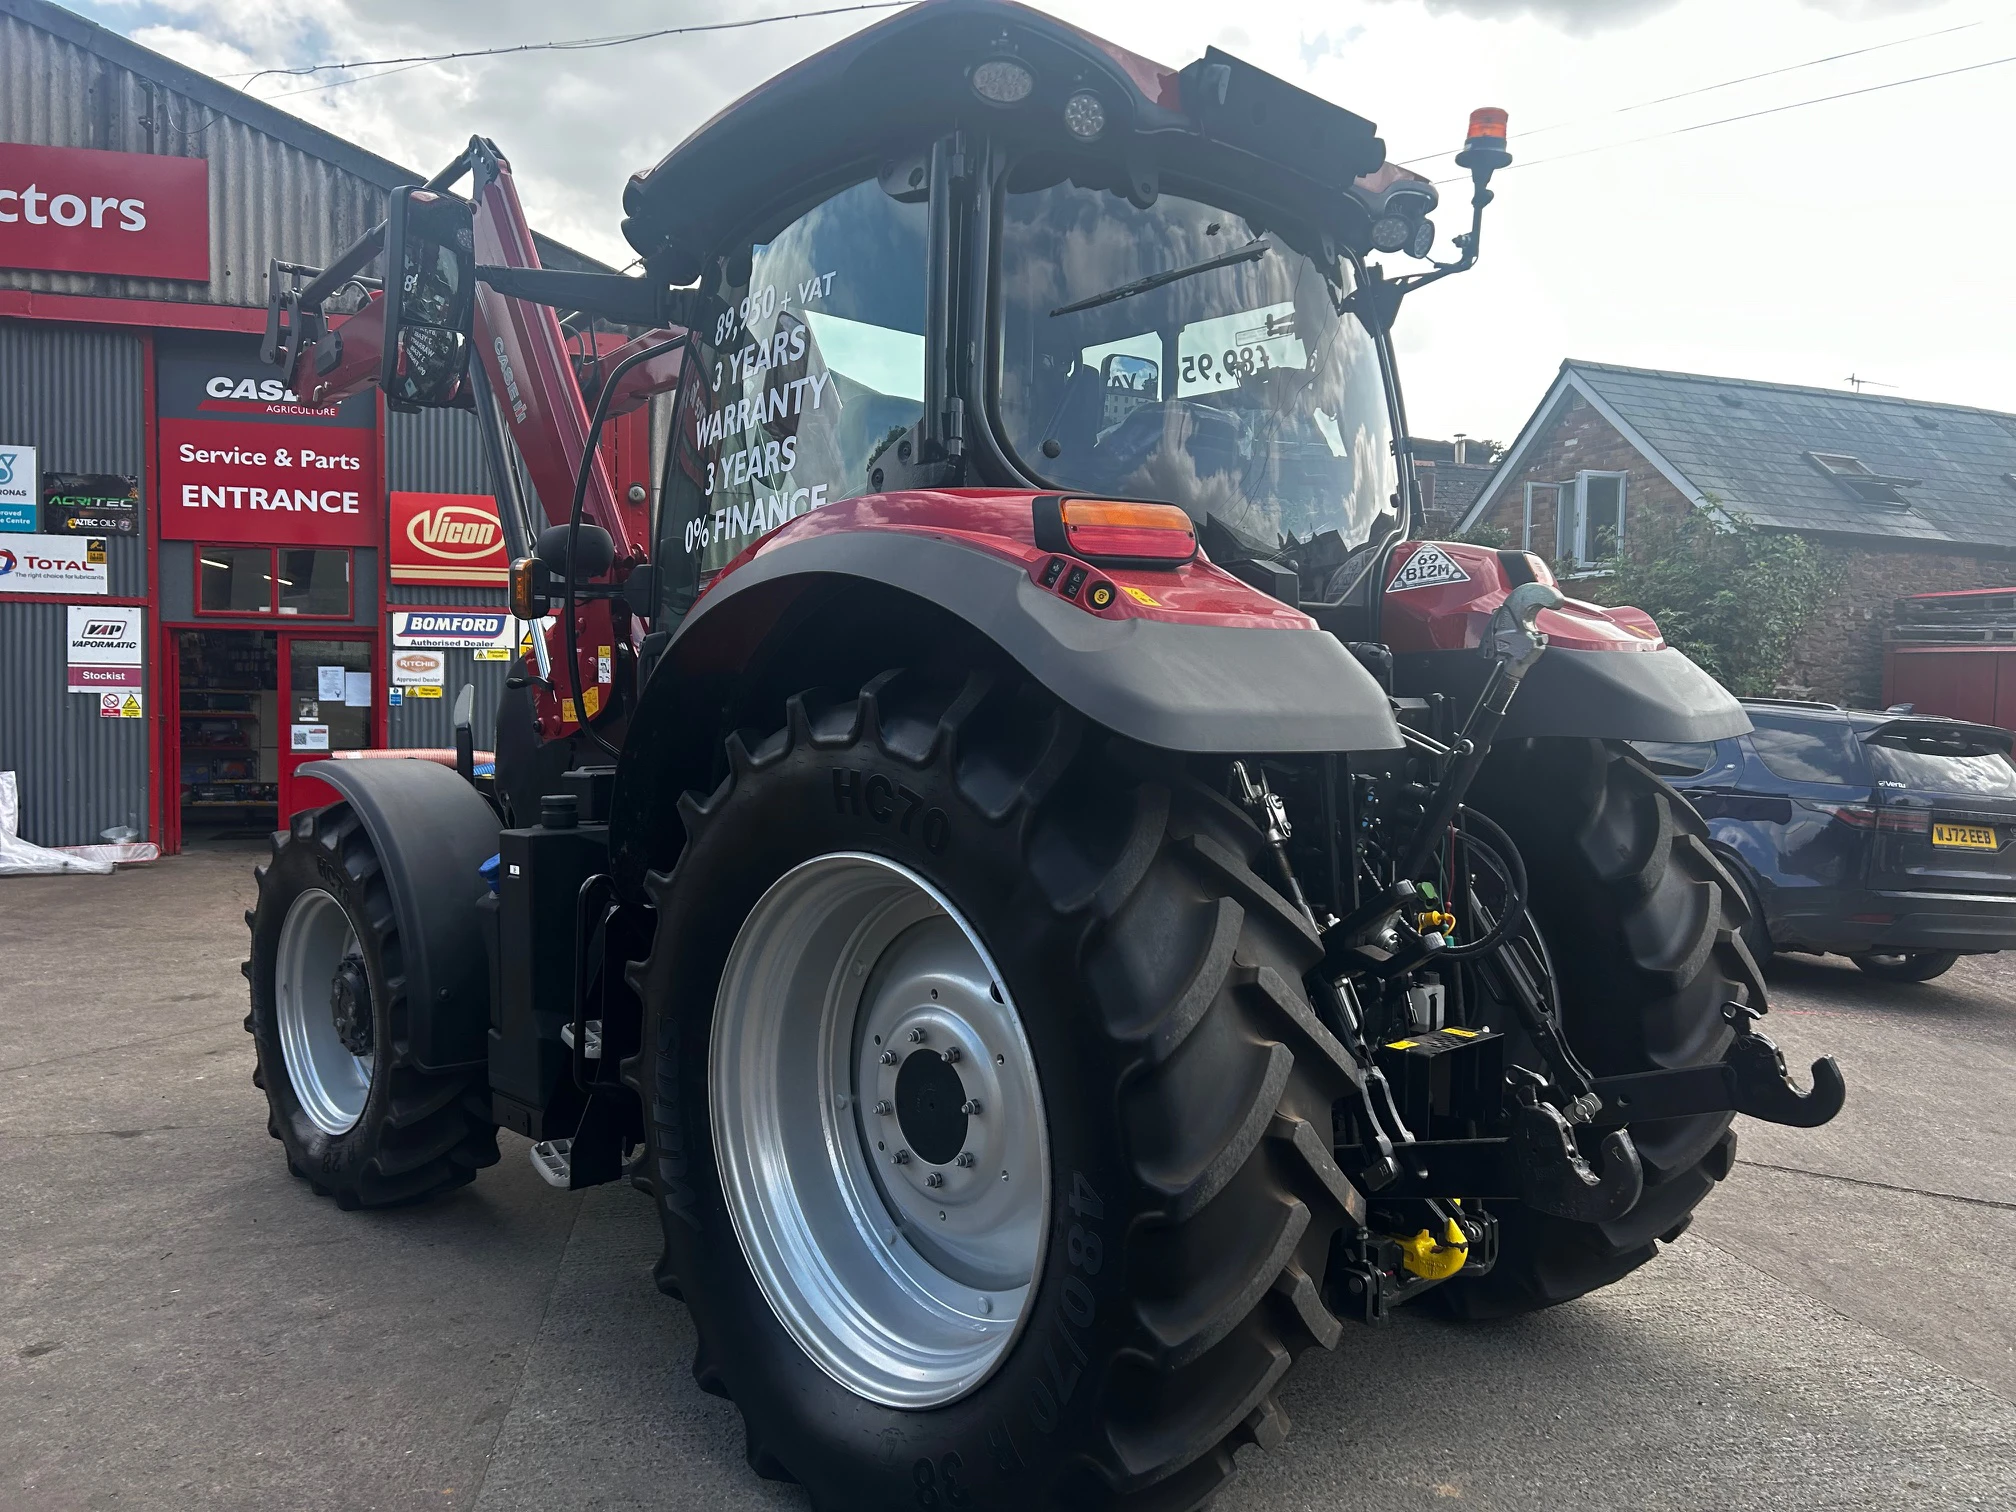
(447, 538)
(78, 210)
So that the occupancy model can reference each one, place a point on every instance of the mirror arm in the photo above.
(611, 296)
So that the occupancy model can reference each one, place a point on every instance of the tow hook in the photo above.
(1750, 1078)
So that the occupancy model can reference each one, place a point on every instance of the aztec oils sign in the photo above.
(78, 210)
(447, 538)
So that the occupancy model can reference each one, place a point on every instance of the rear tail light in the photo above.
(1895, 821)
(1108, 532)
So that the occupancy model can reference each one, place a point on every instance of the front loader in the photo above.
(1058, 900)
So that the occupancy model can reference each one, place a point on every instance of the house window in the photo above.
(1588, 517)
(1861, 480)
(300, 581)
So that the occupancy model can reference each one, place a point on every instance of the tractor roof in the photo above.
(893, 87)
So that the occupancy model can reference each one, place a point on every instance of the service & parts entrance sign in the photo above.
(79, 210)
(243, 459)
(105, 649)
(67, 565)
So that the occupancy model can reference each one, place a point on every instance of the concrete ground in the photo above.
(182, 1325)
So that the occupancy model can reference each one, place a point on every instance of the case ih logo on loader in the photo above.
(1286, 966)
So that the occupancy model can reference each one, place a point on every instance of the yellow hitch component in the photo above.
(1436, 1262)
(1436, 919)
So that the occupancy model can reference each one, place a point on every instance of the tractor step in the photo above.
(553, 1160)
(593, 1049)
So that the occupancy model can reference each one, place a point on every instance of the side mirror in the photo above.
(430, 298)
(594, 553)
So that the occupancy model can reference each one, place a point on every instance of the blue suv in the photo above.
(1888, 838)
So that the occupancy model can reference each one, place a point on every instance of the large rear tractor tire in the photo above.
(359, 1121)
(989, 1125)
(1644, 930)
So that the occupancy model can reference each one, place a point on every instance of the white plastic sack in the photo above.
(18, 858)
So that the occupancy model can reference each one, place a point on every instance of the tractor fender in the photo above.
(430, 831)
(1194, 688)
(1606, 695)
(1203, 688)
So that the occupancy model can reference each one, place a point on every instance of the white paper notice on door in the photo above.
(310, 737)
(329, 684)
(357, 690)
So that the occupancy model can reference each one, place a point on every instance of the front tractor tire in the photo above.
(952, 920)
(360, 1122)
(1645, 931)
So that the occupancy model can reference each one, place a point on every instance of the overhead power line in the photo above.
(576, 44)
(1687, 94)
(1751, 115)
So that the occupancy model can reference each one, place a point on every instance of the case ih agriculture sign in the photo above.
(447, 538)
(78, 210)
(243, 459)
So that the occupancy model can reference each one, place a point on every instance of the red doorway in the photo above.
(330, 696)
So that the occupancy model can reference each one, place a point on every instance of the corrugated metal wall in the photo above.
(79, 773)
(75, 396)
(441, 451)
(267, 199)
(73, 393)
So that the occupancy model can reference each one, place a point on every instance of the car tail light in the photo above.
(1896, 821)
(1113, 532)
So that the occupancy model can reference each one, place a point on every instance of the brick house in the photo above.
(1909, 497)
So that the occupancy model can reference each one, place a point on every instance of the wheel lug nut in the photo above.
(884, 1108)
(917, 1036)
(951, 1054)
(971, 1107)
(901, 1157)
(935, 1179)
(888, 1057)
(965, 1161)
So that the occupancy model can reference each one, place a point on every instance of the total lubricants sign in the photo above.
(243, 459)
(78, 210)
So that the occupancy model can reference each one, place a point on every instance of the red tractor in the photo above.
(1058, 900)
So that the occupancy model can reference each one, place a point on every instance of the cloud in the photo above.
(1323, 45)
(1586, 16)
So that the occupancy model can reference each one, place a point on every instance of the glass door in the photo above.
(329, 698)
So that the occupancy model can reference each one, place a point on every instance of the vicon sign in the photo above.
(447, 538)
(78, 210)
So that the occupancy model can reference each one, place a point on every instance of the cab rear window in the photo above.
(1808, 750)
(1986, 775)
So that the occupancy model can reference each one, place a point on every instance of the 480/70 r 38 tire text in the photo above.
(1185, 1097)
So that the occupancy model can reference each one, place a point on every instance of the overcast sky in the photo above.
(1869, 235)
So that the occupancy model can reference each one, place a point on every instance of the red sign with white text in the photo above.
(244, 460)
(79, 210)
(447, 538)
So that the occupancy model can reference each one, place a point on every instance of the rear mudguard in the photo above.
(1606, 674)
(430, 831)
(1187, 659)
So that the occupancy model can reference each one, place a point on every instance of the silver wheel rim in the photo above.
(902, 1265)
(330, 1083)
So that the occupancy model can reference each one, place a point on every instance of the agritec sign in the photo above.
(244, 460)
(52, 564)
(105, 649)
(78, 210)
(447, 538)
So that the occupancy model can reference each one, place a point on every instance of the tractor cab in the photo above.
(1015, 256)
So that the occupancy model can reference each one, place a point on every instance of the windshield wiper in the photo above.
(1253, 251)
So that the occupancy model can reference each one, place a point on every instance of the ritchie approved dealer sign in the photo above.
(78, 210)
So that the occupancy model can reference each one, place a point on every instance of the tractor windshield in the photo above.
(1185, 353)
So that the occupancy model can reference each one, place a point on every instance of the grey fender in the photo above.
(1606, 695)
(1188, 688)
(430, 831)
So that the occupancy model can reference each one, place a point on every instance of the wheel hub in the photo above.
(896, 1232)
(350, 1006)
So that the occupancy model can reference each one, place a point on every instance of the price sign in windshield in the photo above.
(1215, 354)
